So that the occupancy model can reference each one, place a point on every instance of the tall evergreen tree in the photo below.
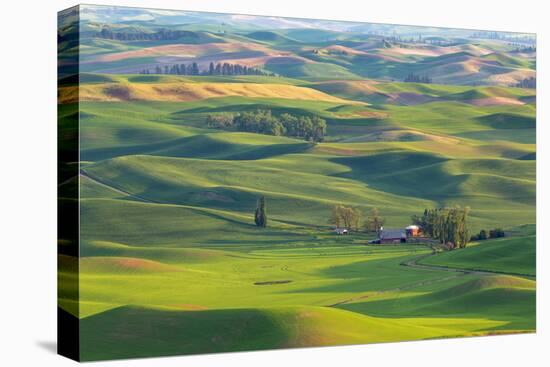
(195, 68)
(260, 215)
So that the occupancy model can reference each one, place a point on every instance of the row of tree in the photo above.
(521, 48)
(397, 40)
(483, 234)
(213, 69)
(310, 128)
(448, 225)
(160, 35)
(414, 78)
(347, 217)
(527, 83)
(510, 37)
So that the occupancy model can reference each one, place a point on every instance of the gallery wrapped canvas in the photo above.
(235, 182)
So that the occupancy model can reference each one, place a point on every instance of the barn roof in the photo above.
(392, 233)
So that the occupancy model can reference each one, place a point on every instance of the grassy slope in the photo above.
(248, 329)
(513, 255)
(469, 181)
(147, 132)
(509, 299)
(233, 185)
(225, 274)
(202, 251)
(180, 91)
(365, 56)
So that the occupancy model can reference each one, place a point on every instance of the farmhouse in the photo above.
(392, 236)
(341, 230)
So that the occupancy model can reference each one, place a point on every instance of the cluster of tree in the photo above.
(260, 214)
(347, 217)
(400, 41)
(213, 69)
(181, 69)
(220, 121)
(397, 40)
(374, 221)
(310, 128)
(521, 48)
(440, 42)
(329, 52)
(527, 83)
(160, 35)
(510, 37)
(386, 44)
(448, 225)
(413, 78)
(483, 234)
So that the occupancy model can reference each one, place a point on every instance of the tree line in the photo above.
(343, 216)
(403, 42)
(309, 128)
(160, 35)
(527, 83)
(484, 235)
(448, 225)
(213, 69)
(414, 78)
(521, 48)
(510, 37)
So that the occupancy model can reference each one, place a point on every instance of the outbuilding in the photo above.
(341, 230)
(392, 236)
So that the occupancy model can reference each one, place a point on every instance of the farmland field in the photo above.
(171, 260)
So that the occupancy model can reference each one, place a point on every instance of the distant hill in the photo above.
(306, 53)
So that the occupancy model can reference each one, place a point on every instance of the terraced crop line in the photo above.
(116, 189)
(413, 263)
(397, 289)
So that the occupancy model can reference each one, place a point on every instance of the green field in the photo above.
(507, 255)
(171, 261)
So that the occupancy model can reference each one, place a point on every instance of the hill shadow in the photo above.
(411, 174)
(508, 121)
(507, 302)
(198, 146)
(370, 275)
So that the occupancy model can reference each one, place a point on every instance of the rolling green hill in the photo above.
(508, 298)
(171, 260)
(307, 53)
(248, 329)
(509, 255)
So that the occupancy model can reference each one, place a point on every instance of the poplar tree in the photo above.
(260, 215)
